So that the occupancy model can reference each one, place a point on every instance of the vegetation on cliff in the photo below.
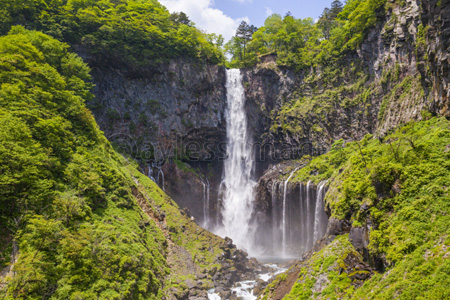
(85, 222)
(396, 188)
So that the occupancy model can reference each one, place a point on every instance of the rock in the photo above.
(190, 283)
(213, 271)
(337, 227)
(359, 238)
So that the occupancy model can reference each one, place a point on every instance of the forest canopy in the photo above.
(301, 43)
(134, 33)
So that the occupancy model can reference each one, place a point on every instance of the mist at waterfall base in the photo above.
(297, 213)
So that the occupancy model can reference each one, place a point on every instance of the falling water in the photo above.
(283, 229)
(238, 167)
(150, 172)
(206, 188)
(302, 218)
(320, 217)
(274, 215)
(160, 175)
(309, 208)
(298, 220)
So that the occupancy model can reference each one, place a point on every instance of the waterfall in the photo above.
(320, 217)
(283, 229)
(206, 188)
(237, 203)
(159, 180)
(274, 215)
(160, 175)
(310, 207)
(150, 172)
(302, 217)
(298, 221)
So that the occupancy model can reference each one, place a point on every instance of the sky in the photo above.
(224, 16)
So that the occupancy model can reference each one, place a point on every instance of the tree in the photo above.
(336, 8)
(327, 20)
(181, 18)
(245, 32)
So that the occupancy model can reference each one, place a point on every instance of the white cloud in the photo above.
(269, 11)
(212, 20)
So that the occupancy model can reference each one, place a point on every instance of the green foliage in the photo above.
(294, 41)
(303, 43)
(67, 199)
(327, 269)
(136, 33)
(400, 185)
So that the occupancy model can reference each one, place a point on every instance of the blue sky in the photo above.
(223, 16)
(258, 10)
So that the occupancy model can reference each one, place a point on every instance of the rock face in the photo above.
(162, 111)
(172, 111)
(436, 16)
(405, 62)
(195, 190)
(403, 66)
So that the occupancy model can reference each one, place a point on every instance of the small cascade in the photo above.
(150, 172)
(274, 215)
(310, 210)
(298, 216)
(206, 189)
(320, 217)
(303, 217)
(283, 228)
(160, 180)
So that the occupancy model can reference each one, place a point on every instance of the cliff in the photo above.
(398, 74)
(171, 112)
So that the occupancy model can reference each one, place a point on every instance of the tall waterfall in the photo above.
(238, 167)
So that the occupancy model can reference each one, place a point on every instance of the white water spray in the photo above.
(238, 167)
